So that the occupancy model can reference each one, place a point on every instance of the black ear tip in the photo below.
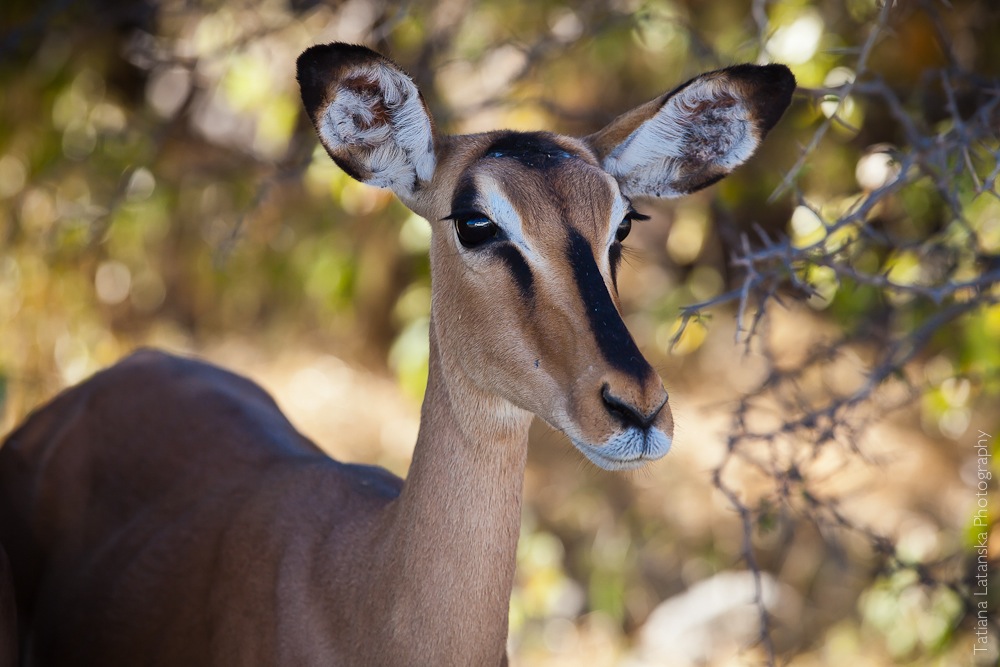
(782, 80)
(319, 66)
(309, 72)
(772, 86)
(321, 58)
(311, 57)
(774, 78)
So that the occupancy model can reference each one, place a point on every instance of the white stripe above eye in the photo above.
(500, 210)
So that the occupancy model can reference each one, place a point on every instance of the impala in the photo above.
(165, 512)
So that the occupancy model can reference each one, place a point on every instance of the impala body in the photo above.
(165, 512)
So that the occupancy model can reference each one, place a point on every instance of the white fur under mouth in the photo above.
(628, 450)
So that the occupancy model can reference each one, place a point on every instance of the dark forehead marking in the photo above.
(538, 150)
(535, 150)
(518, 269)
(466, 196)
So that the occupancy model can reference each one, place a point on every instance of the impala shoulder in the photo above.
(142, 370)
(147, 376)
(151, 364)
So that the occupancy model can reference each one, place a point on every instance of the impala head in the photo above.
(528, 227)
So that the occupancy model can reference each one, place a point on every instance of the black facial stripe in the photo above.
(615, 258)
(613, 339)
(518, 267)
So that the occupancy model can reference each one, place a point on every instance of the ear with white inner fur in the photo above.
(697, 133)
(369, 115)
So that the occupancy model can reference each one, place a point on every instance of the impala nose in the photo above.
(630, 413)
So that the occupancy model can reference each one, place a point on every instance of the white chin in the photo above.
(628, 450)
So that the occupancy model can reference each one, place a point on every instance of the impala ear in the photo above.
(697, 133)
(369, 115)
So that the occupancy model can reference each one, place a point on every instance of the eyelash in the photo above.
(626, 224)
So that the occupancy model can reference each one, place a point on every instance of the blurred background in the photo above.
(826, 319)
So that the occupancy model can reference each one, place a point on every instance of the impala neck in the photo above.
(457, 521)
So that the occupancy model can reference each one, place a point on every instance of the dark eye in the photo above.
(474, 230)
(626, 225)
(624, 229)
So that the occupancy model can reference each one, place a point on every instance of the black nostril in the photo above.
(628, 414)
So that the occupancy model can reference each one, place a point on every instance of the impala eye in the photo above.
(626, 225)
(623, 229)
(474, 229)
